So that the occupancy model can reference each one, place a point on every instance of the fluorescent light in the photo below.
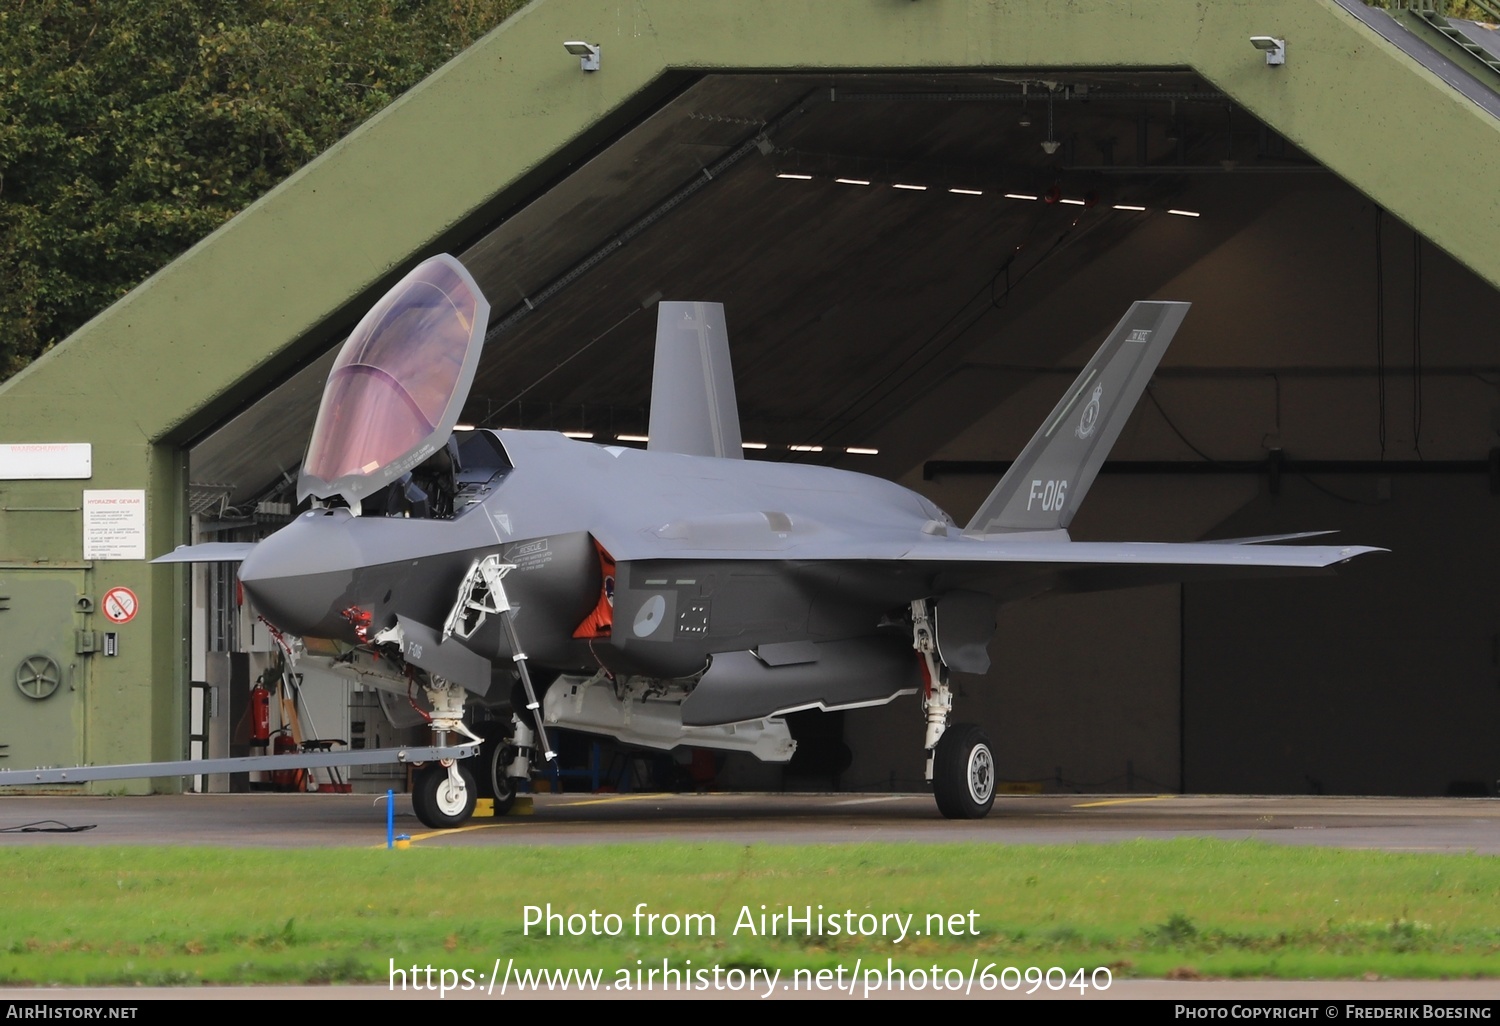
(579, 434)
(1018, 195)
(851, 181)
(967, 192)
(913, 188)
(463, 427)
(633, 438)
(858, 451)
(1072, 202)
(1128, 206)
(752, 445)
(805, 448)
(788, 174)
(1185, 213)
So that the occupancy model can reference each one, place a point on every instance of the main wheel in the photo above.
(437, 803)
(963, 773)
(503, 787)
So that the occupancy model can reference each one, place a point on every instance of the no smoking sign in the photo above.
(120, 605)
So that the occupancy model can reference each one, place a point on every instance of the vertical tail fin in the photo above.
(693, 407)
(1045, 485)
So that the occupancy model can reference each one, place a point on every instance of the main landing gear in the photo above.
(960, 763)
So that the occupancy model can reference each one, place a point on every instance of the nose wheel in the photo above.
(443, 796)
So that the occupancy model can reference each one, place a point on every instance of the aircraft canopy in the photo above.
(399, 383)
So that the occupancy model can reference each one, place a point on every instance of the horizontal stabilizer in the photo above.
(1043, 488)
(208, 552)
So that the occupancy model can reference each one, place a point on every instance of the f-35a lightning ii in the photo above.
(679, 595)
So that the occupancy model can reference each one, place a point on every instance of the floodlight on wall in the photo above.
(1275, 49)
(587, 54)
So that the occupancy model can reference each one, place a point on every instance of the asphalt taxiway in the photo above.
(340, 820)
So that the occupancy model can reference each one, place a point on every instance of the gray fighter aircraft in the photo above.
(679, 595)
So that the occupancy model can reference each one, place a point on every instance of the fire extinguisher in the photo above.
(285, 779)
(260, 716)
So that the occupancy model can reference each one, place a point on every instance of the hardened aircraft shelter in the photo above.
(921, 216)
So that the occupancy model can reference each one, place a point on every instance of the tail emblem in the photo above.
(1090, 418)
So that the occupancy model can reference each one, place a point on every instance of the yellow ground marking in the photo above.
(444, 833)
(1124, 801)
(618, 798)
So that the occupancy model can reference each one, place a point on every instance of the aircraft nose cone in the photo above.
(301, 578)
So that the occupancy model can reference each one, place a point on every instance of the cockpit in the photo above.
(383, 442)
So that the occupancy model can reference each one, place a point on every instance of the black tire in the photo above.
(963, 773)
(503, 788)
(434, 801)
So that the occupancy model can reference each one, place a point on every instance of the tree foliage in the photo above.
(130, 129)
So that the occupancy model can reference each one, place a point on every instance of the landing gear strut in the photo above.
(960, 763)
(443, 793)
(510, 765)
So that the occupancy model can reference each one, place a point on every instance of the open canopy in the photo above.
(398, 384)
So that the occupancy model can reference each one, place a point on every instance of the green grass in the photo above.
(1184, 907)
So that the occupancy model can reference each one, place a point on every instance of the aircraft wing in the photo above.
(1071, 553)
(1010, 568)
(1000, 550)
(1015, 569)
(208, 552)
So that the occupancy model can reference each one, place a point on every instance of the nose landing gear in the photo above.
(443, 794)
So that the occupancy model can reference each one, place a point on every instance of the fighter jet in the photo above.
(680, 594)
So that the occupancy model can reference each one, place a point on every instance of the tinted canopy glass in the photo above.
(398, 384)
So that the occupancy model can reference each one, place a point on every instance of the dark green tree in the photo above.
(130, 129)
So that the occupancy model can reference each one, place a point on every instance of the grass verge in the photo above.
(1185, 908)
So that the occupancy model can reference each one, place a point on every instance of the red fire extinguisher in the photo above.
(260, 716)
(285, 779)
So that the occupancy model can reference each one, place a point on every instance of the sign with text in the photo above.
(46, 461)
(114, 523)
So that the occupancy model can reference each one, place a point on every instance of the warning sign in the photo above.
(120, 605)
(114, 523)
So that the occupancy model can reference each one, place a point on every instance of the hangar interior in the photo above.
(913, 266)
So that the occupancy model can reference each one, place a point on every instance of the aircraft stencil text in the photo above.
(1049, 494)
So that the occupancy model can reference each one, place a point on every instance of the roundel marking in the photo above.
(651, 614)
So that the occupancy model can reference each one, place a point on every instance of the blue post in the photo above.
(390, 820)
